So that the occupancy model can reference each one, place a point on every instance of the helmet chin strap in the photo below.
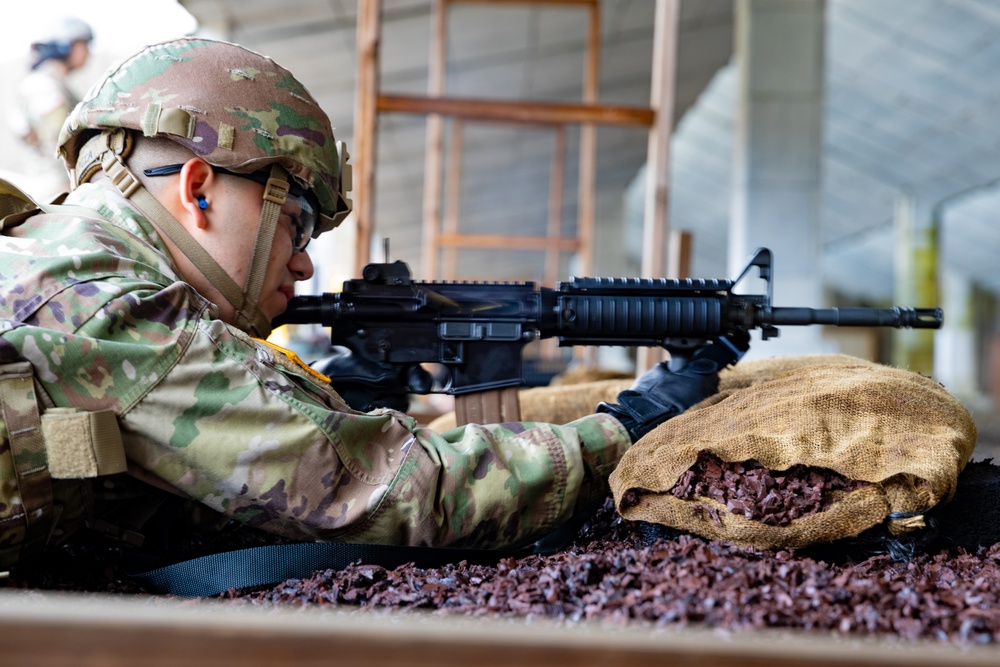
(245, 300)
(275, 195)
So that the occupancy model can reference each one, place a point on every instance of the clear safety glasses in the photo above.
(303, 221)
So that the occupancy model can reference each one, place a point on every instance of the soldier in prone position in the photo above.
(201, 170)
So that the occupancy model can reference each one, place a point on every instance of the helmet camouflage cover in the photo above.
(234, 108)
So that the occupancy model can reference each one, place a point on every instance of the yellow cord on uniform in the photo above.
(294, 358)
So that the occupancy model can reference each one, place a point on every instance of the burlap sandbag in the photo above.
(896, 429)
(555, 405)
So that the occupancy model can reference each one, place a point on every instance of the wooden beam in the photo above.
(45, 628)
(557, 183)
(365, 123)
(434, 143)
(587, 182)
(524, 2)
(587, 178)
(517, 112)
(655, 223)
(553, 256)
(679, 254)
(508, 241)
(453, 197)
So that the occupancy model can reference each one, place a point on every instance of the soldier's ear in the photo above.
(194, 186)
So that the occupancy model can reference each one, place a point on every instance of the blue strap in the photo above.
(268, 565)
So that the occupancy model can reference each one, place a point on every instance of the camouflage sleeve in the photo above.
(230, 422)
(260, 439)
(496, 485)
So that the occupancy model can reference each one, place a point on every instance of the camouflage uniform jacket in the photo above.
(101, 312)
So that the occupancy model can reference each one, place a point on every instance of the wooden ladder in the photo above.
(441, 237)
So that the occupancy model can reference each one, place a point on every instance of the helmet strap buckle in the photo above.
(121, 176)
(277, 187)
(118, 146)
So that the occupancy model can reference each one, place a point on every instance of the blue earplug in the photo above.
(202, 202)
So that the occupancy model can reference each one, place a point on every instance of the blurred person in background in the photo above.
(45, 99)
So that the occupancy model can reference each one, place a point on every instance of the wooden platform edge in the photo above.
(52, 629)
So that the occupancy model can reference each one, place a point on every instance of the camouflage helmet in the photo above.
(234, 108)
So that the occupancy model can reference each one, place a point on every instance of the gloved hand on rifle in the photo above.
(661, 393)
(365, 384)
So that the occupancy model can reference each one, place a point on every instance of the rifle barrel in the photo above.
(913, 318)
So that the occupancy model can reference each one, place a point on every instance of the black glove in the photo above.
(660, 393)
(365, 384)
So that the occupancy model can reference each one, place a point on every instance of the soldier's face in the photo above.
(238, 207)
(79, 55)
(286, 265)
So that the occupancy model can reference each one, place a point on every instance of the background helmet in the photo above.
(57, 38)
(234, 108)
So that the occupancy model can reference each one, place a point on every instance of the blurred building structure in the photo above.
(855, 138)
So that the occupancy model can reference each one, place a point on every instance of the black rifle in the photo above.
(477, 331)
